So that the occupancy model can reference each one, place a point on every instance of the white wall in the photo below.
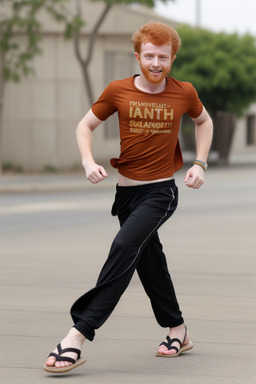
(41, 113)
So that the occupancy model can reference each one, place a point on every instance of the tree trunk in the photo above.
(85, 62)
(224, 128)
(1, 107)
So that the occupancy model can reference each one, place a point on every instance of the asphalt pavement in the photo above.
(55, 232)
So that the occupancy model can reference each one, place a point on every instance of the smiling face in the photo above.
(155, 61)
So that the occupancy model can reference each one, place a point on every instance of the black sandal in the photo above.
(58, 357)
(168, 344)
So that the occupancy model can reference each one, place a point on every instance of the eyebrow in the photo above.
(160, 54)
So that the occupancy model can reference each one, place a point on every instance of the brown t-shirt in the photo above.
(149, 126)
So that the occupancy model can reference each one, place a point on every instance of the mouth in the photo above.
(155, 70)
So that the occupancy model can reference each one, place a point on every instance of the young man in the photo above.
(150, 106)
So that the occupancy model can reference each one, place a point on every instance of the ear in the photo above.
(137, 57)
(172, 60)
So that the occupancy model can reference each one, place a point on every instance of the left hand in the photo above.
(194, 177)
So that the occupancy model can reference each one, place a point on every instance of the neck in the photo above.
(146, 86)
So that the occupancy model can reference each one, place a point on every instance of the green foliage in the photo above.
(20, 29)
(9, 167)
(50, 168)
(222, 67)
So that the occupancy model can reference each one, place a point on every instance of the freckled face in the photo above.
(155, 61)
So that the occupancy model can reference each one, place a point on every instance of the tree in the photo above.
(222, 68)
(20, 37)
(85, 62)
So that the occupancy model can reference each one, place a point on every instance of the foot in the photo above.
(74, 339)
(176, 342)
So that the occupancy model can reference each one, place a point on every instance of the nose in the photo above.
(155, 62)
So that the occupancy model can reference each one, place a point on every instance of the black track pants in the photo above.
(141, 211)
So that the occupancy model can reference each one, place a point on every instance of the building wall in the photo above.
(244, 140)
(41, 113)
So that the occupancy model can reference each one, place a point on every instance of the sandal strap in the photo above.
(65, 350)
(186, 331)
(173, 347)
(169, 343)
(175, 340)
(62, 358)
(166, 343)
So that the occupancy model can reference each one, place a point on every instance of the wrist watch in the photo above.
(201, 164)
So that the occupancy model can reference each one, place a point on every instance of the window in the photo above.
(251, 130)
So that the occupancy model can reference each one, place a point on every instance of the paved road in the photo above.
(53, 244)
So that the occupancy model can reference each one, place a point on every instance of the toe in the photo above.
(169, 352)
(162, 348)
(62, 364)
(50, 362)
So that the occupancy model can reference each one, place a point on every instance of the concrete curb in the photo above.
(34, 183)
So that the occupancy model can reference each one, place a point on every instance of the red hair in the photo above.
(157, 34)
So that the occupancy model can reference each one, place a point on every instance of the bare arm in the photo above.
(84, 133)
(194, 177)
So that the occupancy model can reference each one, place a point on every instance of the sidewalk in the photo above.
(11, 183)
(49, 182)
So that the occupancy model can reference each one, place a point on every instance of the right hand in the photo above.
(95, 173)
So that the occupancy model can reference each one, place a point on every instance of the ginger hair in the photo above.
(157, 34)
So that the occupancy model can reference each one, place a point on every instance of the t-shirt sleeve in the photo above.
(105, 106)
(195, 106)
